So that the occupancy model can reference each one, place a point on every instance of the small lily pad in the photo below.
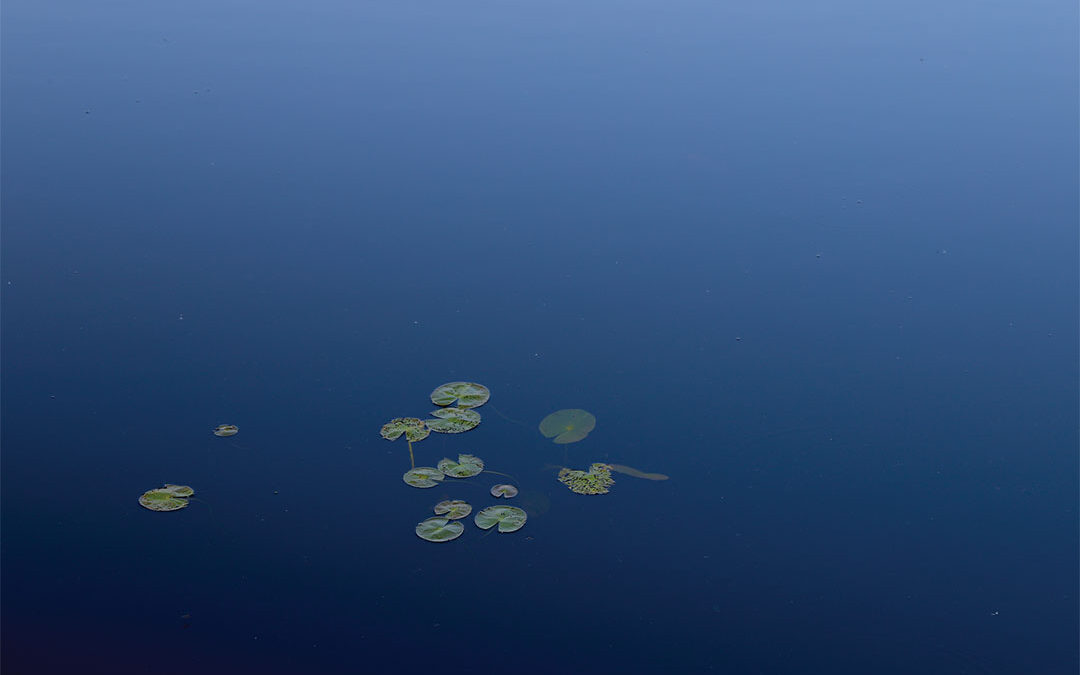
(226, 430)
(439, 529)
(504, 490)
(168, 498)
(423, 477)
(567, 426)
(413, 428)
(453, 420)
(595, 481)
(453, 508)
(467, 394)
(509, 518)
(465, 466)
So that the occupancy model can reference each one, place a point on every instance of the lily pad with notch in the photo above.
(423, 477)
(439, 529)
(467, 394)
(453, 420)
(453, 508)
(464, 467)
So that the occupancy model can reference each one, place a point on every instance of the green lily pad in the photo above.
(504, 490)
(413, 428)
(509, 518)
(595, 481)
(453, 508)
(439, 529)
(226, 430)
(453, 420)
(168, 498)
(465, 466)
(423, 477)
(567, 426)
(467, 394)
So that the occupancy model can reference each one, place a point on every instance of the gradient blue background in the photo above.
(816, 261)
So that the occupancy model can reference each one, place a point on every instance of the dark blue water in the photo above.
(816, 262)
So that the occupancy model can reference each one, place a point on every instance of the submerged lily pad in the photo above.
(453, 420)
(465, 466)
(168, 498)
(423, 477)
(453, 508)
(567, 426)
(509, 518)
(226, 430)
(467, 394)
(413, 428)
(439, 529)
(504, 490)
(595, 481)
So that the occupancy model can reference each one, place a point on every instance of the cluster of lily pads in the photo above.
(446, 524)
(449, 419)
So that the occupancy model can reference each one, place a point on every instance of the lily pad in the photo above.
(504, 490)
(453, 420)
(168, 498)
(413, 428)
(465, 466)
(467, 394)
(453, 508)
(567, 426)
(595, 481)
(509, 518)
(226, 430)
(439, 529)
(423, 477)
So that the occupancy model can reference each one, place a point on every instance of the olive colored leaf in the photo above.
(595, 481)
(465, 466)
(453, 508)
(508, 518)
(567, 426)
(467, 394)
(453, 420)
(423, 477)
(504, 490)
(226, 430)
(168, 498)
(439, 529)
(413, 428)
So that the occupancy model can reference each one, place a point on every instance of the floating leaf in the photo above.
(567, 426)
(465, 466)
(467, 394)
(413, 428)
(226, 430)
(423, 477)
(504, 490)
(631, 471)
(595, 481)
(509, 518)
(168, 498)
(453, 508)
(439, 529)
(453, 420)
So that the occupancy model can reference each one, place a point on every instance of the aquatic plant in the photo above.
(595, 481)
(567, 426)
(439, 529)
(453, 508)
(453, 420)
(467, 394)
(423, 476)
(168, 498)
(413, 428)
(224, 430)
(504, 490)
(508, 518)
(464, 467)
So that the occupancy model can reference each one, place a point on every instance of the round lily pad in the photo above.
(504, 490)
(226, 430)
(567, 426)
(467, 394)
(423, 477)
(453, 420)
(413, 428)
(509, 518)
(595, 481)
(439, 529)
(453, 508)
(168, 498)
(465, 466)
